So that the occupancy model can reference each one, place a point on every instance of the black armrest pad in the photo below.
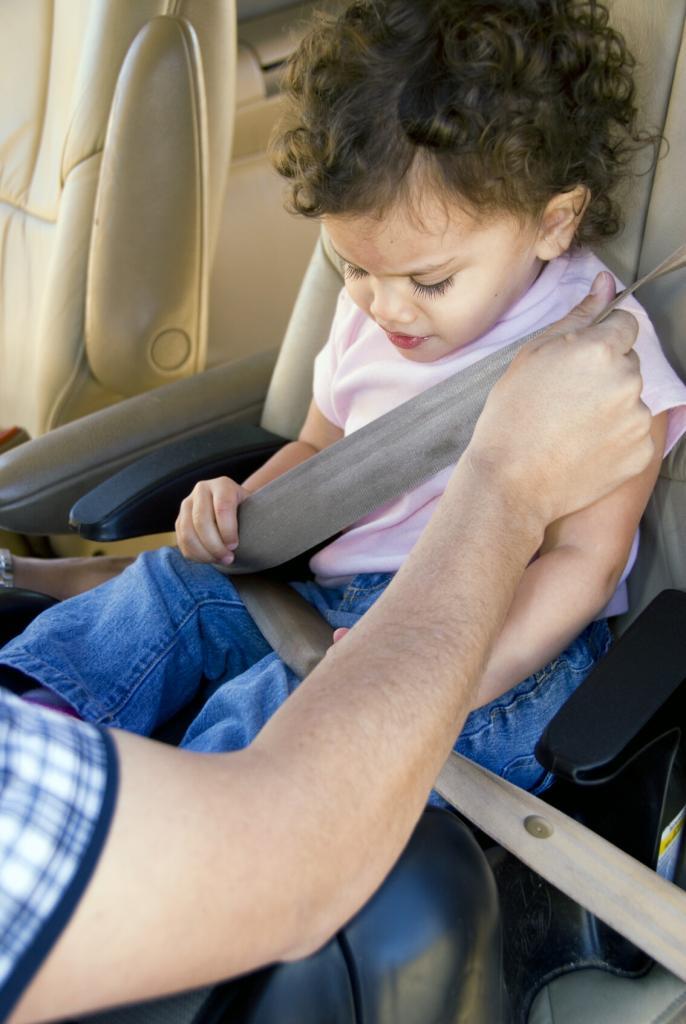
(145, 496)
(585, 741)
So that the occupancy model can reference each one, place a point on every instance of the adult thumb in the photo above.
(598, 299)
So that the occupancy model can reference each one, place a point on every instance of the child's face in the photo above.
(434, 287)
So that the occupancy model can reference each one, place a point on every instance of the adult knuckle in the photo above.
(597, 352)
(523, 355)
(646, 415)
(641, 415)
(623, 323)
(605, 349)
(650, 448)
(569, 337)
(635, 386)
(642, 428)
(642, 454)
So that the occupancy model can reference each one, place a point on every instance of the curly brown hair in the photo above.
(501, 104)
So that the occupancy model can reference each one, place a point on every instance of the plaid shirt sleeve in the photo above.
(58, 780)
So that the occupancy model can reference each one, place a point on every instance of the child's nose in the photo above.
(389, 306)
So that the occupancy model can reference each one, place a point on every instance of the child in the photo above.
(459, 155)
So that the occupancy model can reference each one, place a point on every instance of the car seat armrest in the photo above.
(41, 480)
(604, 722)
(144, 497)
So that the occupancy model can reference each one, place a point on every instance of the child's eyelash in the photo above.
(426, 291)
(350, 270)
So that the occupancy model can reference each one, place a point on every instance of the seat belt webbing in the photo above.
(622, 892)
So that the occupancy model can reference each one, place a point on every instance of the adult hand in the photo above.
(565, 423)
(207, 524)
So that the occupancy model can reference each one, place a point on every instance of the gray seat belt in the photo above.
(350, 479)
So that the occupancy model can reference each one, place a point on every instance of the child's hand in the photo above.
(207, 525)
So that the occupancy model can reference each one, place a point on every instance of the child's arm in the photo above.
(316, 434)
(207, 526)
(579, 566)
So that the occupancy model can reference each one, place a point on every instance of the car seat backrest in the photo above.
(89, 314)
(290, 389)
(654, 35)
(662, 554)
(655, 210)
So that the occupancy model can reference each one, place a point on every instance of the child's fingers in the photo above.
(226, 496)
(338, 634)
(206, 527)
(187, 538)
(206, 495)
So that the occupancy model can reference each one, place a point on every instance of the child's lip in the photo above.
(406, 340)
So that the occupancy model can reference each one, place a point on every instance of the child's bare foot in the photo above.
(65, 577)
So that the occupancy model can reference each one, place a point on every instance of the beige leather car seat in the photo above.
(657, 224)
(115, 132)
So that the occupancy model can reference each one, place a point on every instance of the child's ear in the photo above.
(559, 222)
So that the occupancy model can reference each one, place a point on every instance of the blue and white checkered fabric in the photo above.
(57, 781)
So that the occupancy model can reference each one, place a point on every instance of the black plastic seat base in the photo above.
(426, 949)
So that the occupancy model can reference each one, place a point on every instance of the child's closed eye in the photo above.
(426, 291)
(433, 291)
(353, 272)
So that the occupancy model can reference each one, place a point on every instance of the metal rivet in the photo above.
(538, 827)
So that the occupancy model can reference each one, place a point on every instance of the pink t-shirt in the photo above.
(359, 375)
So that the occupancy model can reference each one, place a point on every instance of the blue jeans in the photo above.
(134, 651)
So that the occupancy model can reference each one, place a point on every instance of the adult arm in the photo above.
(218, 864)
(190, 885)
(575, 575)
